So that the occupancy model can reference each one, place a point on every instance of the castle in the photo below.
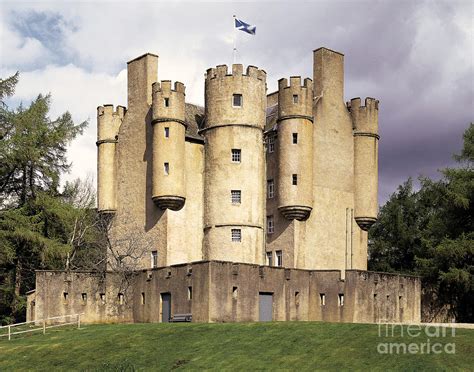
(254, 207)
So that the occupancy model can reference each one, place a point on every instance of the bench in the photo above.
(181, 318)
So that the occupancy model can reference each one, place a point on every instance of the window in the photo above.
(190, 293)
(102, 298)
(341, 299)
(279, 258)
(236, 196)
(234, 293)
(166, 102)
(84, 298)
(295, 179)
(269, 258)
(297, 298)
(65, 296)
(167, 132)
(154, 259)
(236, 235)
(166, 168)
(270, 189)
(271, 144)
(270, 225)
(143, 298)
(322, 299)
(120, 298)
(237, 100)
(295, 138)
(236, 155)
(295, 98)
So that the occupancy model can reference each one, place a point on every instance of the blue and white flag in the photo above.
(245, 27)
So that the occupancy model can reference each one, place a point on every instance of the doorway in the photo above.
(165, 307)
(265, 309)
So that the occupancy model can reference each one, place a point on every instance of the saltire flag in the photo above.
(245, 27)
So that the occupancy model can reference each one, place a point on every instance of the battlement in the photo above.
(165, 87)
(355, 103)
(295, 82)
(221, 71)
(108, 110)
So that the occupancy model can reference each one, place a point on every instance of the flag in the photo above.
(245, 27)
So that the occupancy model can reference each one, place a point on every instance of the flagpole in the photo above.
(234, 50)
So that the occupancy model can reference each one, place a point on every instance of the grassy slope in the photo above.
(304, 346)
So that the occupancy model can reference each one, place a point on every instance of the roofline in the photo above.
(314, 51)
(143, 55)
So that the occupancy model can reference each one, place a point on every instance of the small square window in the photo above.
(236, 235)
(295, 138)
(295, 179)
(322, 299)
(154, 259)
(236, 196)
(295, 98)
(237, 100)
(269, 258)
(270, 225)
(270, 189)
(236, 155)
(166, 168)
(166, 102)
(341, 299)
(271, 144)
(167, 132)
(279, 258)
(190, 293)
(120, 298)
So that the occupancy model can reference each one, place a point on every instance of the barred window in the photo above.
(279, 258)
(236, 155)
(236, 196)
(270, 225)
(236, 235)
(271, 144)
(270, 189)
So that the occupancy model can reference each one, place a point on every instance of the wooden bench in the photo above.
(181, 318)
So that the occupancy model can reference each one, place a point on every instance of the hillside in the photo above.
(248, 346)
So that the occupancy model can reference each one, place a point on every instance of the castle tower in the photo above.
(366, 138)
(295, 148)
(234, 194)
(108, 124)
(168, 186)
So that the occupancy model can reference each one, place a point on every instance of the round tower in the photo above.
(234, 188)
(108, 124)
(168, 186)
(295, 148)
(366, 138)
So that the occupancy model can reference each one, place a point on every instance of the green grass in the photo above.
(244, 346)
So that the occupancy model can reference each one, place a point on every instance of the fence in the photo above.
(40, 325)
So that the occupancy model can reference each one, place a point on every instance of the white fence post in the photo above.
(44, 326)
(9, 333)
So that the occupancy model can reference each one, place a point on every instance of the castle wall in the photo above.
(229, 292)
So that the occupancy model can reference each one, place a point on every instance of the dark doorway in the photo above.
(165, 307)
(265, 309)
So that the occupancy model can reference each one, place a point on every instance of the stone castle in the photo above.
(254, 207)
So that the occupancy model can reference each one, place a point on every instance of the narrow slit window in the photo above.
(166, 102)
(236, 196)
(143, 298)
(270, 189)
(341, 299)
(237, 100)
(154, 259)
(84, 298)
(295, 138)
(236, 235)
(120, 298)
(271, 144)
(297, 298)
(279, 258)
(234, 293)
(322, 299)
(190, 293)
(166, 168)
(295, 98)
(65, 296)
(236, 155)
(270, 225)
(269, 258)
(167, 132)
(294, 179)
(102, 298)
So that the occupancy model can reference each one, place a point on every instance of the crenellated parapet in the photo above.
(366, 137)
(295, 100)
(169, 130)
(108, 125)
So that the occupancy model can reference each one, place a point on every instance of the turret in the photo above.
(108, 124)
(295, 148)
(168, 190)
(365, 125)
(234, 164)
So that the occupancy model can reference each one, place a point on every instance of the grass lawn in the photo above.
(233, 346)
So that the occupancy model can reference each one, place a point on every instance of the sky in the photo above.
(416, 57)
